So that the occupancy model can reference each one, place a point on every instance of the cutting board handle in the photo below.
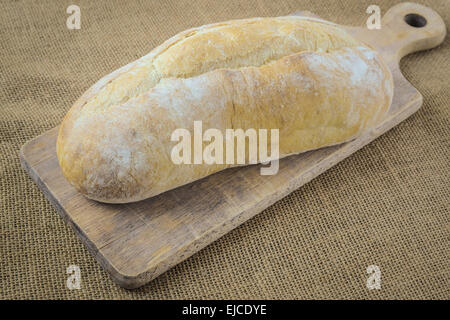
(414, 27)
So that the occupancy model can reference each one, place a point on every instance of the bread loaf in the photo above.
(306, 77)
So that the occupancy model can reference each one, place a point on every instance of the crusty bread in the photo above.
(306, 77)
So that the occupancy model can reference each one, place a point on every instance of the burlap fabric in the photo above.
(387, 205)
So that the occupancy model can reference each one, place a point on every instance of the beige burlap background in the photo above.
(387, 205)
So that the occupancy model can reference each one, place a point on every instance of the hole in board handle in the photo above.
(415, 20)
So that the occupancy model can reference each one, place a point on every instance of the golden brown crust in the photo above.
(309, 79)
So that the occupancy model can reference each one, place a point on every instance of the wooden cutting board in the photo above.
(137, 242)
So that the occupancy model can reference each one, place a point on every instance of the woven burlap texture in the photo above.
(388, 204)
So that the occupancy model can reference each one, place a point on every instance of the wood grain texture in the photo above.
(137, 242)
